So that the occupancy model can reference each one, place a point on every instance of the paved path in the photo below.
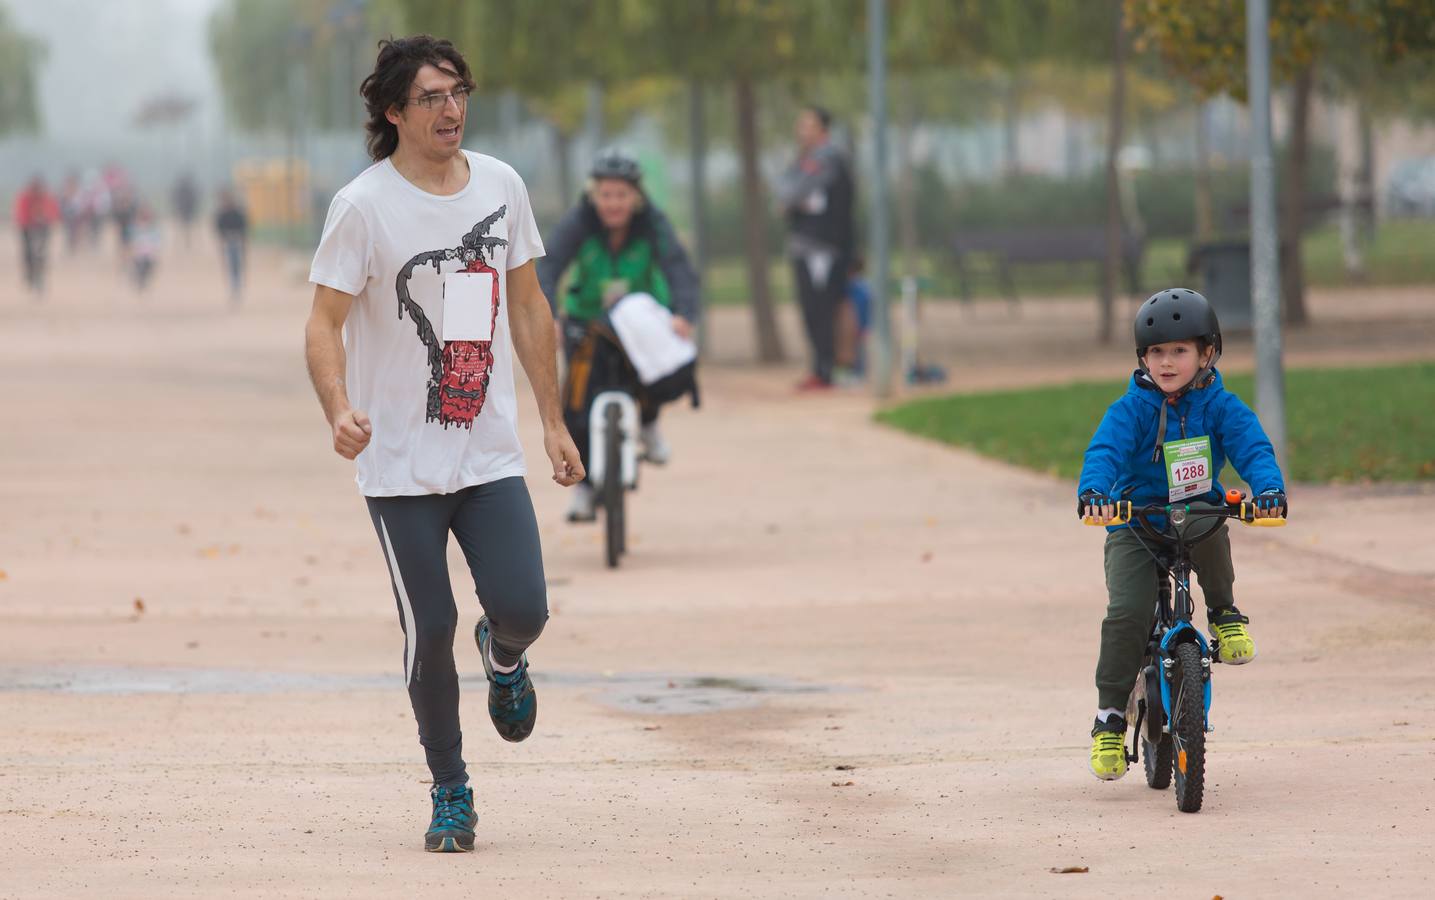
(823, 592)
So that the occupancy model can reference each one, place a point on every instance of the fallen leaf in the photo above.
(1402, 723)
(844, 767)
(652, 728)
(843, 783)
(182, 528)
(139, 606)
(1069, 870)
(927, 557)
(3, 576)
(193, 645)
(833, 728)
(209, 552)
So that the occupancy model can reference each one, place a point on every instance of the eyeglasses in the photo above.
(437, 99)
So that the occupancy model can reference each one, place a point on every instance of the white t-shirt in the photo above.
(440, 398)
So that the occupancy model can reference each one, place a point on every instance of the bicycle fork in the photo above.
(1181, 632)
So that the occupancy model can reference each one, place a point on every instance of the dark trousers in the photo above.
(819, 304)
(234, 264)
(498, 534)
(1131, 588)
(33, 244)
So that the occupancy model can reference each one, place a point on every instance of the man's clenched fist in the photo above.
(351, 433)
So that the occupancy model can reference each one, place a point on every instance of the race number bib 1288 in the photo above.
(1188, 467)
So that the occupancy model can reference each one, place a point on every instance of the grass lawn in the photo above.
(1345, 425)
(1399, 255)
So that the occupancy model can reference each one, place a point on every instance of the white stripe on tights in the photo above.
(404, 602)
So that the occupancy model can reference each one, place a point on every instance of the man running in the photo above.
(424, 291)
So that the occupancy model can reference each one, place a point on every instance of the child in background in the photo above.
(854, 319)
(144, 247)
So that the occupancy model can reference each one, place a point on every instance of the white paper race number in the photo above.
(1188, 467)
(468, 306)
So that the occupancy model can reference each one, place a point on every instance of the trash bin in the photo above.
(1224, 272)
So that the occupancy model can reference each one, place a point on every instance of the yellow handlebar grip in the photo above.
(1248, 512)
(1123, 515)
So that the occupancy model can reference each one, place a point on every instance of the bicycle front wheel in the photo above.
(1188, 730)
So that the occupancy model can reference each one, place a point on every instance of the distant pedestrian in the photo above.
(232, 224)
(816, 194)
(72, 208)
(186, 205)
(144, 246)
(36, 212)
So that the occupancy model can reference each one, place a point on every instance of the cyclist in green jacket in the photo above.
(616, 243)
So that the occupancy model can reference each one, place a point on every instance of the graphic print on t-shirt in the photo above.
(458, 370)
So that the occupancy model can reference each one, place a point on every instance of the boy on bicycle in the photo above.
(1174, 409)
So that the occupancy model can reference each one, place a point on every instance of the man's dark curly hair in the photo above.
(394, 71)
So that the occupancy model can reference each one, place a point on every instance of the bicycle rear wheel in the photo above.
(613, 485)
(1145, 707)
(1188, 729)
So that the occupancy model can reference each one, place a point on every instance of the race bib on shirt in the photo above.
(1188, 467)
(468, 306)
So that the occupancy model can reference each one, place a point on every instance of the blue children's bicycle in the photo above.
(1171, 702)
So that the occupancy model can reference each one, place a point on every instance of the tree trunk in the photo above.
(906, 175)
(754, 216)
(698, 176)
(593, 119)
(1205, 196)
(698, 173)
(562, 146)
(1111, 270)
(1353, 183)
(1365, 175)
(1011, 126)
(1292, 224)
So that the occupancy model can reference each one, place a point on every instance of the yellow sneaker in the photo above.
(1228, 627)
(1108, 748)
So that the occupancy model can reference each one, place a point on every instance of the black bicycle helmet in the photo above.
(614, 163)
(1176, 314)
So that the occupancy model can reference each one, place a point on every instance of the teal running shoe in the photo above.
(512, 702)
(451, 830)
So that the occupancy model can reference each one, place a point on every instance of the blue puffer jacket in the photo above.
(1119, 456)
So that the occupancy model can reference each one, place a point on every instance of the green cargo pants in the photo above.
(1131, 576)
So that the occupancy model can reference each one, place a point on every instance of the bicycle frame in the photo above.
(1173, 626)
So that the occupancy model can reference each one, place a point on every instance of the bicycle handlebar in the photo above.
(1236, 508)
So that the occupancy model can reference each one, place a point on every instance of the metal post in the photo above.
(1265, 262)
(880, 239)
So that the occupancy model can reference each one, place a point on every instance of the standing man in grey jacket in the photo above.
(816, 195)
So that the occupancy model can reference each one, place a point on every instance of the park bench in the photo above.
(1004, 248)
